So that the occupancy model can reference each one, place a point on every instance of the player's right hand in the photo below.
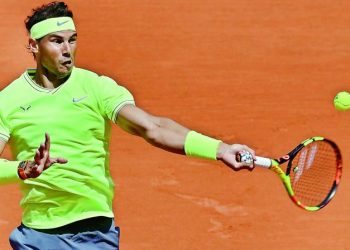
(228, 154)
(41, 162)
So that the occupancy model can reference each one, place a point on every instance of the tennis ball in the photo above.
(342, 101)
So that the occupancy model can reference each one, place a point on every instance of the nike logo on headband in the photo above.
(61, 23)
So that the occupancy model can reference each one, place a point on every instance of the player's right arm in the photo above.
(167, 134)
(13, 171)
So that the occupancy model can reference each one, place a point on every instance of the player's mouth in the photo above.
(67, 64)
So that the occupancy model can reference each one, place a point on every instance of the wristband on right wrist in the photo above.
(21, 167)
(202, 146)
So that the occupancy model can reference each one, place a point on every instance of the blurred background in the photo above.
(258, 72)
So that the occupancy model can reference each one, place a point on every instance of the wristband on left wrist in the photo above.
(21, 170)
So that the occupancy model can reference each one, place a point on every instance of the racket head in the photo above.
(314, 171)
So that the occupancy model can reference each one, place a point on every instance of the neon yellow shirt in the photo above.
(78, 116)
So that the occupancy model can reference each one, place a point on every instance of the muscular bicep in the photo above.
(159, 131)
(135, 121)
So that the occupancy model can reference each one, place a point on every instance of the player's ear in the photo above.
(33, 46)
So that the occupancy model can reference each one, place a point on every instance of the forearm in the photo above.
(174, 137)
(8, 171)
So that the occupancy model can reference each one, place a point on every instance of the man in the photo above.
(67, 199)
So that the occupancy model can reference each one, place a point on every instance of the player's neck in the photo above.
(48, 80)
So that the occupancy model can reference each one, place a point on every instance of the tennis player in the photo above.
(65, 180)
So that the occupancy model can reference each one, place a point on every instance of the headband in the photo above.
(51, 25)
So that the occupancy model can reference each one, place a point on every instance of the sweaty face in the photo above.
(56, 53)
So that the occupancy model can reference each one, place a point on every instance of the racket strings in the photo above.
(313, 173)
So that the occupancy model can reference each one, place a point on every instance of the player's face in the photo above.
(56, 52)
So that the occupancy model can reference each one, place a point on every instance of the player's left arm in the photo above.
(167, 134)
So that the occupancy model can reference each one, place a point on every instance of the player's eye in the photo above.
(73, 40)
(57, 40)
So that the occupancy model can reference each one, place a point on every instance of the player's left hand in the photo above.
(42, 160)
(228, 155)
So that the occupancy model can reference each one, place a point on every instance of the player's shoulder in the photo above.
(12, 89)
(93, 79)
(90, 75)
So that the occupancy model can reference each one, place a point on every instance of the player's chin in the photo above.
(63, 73)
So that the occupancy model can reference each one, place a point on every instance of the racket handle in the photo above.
(262, 162)
(245, 156)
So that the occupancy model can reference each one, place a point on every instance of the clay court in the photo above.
(259, 72)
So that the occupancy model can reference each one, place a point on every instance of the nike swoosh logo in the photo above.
(61, 23)
(79, 99)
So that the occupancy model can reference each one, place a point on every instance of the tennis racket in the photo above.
(312, 174)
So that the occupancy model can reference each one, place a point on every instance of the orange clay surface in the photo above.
(260, 72)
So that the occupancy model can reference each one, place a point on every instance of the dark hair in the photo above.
(50, 10)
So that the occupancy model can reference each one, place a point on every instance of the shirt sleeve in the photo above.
(112, 97)
(4, 130)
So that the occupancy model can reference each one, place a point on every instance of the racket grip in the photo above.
(245, 156)
(262, 162)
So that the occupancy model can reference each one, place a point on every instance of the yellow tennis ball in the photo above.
(342, 101)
